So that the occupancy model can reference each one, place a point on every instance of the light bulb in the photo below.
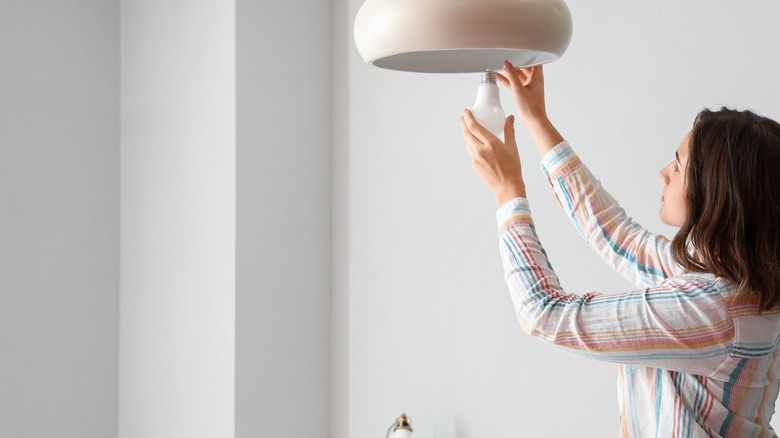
(487, 109)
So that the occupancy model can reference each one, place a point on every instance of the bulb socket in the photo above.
(489, 77)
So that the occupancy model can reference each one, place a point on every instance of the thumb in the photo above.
(509, 131)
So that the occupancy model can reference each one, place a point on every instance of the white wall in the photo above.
(422, 320)
(177, 337)
(59, 218)
(283, 241)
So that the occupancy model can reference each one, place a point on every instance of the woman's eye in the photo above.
(676, 168)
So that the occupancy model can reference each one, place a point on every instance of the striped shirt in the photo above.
(694, 360)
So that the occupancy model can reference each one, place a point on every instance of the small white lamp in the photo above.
(402, 428)
(461, 36)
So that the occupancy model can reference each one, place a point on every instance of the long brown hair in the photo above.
(733, 203)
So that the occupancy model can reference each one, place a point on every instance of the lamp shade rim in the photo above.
(400, 34)
(462, 60)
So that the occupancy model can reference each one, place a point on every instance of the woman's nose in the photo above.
(662, 175)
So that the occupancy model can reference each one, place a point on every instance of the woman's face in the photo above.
(673, 211)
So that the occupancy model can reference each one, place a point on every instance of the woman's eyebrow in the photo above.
(677, 156)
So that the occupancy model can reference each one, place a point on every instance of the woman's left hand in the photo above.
(497, 163)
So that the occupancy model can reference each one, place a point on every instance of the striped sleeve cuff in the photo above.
(559, 160)
(514, 211)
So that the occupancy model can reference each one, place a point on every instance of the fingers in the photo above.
(511, 75)
(515, 77)
(524, 76)
(475, 146)
(503, 80)
(477, 130)
(528, 75)
(509, 131)
(534, 74)
(471, 142)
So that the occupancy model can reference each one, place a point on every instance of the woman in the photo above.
(697, 342)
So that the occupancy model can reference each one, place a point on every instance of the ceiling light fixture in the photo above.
(461, 36)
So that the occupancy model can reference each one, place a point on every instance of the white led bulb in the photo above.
(487, 109)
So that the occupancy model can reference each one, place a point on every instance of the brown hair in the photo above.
(733, 203)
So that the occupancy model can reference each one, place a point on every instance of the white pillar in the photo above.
(226, 116)
(177, 337)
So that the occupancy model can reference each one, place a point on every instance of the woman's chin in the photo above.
(664, 219)
(671, 223)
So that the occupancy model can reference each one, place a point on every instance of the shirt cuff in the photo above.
(514, 210)
(559, 160)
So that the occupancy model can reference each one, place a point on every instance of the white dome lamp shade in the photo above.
(461, 36)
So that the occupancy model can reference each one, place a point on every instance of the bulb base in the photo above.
(489, 77)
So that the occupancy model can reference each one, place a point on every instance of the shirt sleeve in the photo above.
(682, 324)
(643, 258)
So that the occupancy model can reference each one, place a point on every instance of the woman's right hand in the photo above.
(527, 86)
